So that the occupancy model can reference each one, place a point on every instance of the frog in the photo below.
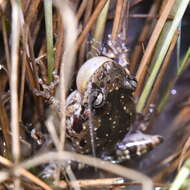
(101, 119)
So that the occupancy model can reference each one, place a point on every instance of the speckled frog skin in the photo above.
(104, 103)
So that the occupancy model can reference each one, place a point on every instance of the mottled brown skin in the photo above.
(112, 119)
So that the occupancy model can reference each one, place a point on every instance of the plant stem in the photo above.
(49, 37)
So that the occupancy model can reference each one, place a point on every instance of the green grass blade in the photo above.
(99, 30)
(49, 37)
(181, 176)
(183, 62)
(181, 67)
(182, 5)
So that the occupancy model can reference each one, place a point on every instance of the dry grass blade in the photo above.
(107, 166)
(4, 120)
(117, 19)
(172, 163)
(158, 81)
(181, 7)
(5, 40)
(75, 186)
(100, 29)
(24, 33)
(142, 70)
(67, 60)
(94, 183)
(81, 9)
(182, 156)
(83, 47)
(14, 84)
(26, 174)
(143, 35)
(3, 176)
(59, 43)
(14, 79)
(31, 12)
(52, 131)
(104, 182)
(90, 22)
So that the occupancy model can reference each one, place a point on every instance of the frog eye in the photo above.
(99, 100)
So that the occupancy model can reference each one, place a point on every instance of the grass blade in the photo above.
(49, 37)
(178, 16)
